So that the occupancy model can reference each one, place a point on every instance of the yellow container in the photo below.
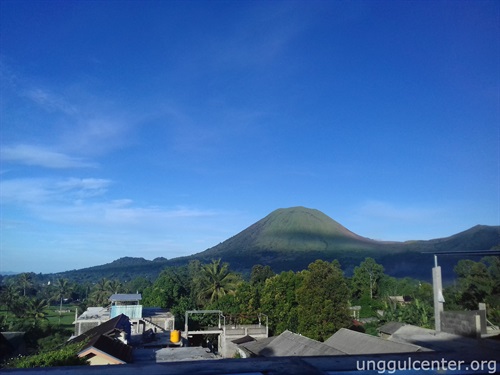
(175, 336)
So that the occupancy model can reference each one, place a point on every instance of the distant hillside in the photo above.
(291, 238)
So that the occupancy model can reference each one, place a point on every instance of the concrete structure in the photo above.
(127, 304)
(228, 348)
(227, 333)
(447, 342)
(464, 323)
(142, 319)
(161, 355)
(437, 287)
(90, 318)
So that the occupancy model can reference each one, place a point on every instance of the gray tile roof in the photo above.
(101, 338)
(390, 328)
(289, 344)
(352, 342)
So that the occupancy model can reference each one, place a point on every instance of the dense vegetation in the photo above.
(314, 302)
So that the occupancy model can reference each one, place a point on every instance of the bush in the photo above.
(61, 357)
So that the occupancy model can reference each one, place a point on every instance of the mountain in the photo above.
(291, 238)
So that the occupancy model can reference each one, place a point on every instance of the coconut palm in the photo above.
(115, 286)
(102, 291)
(26, 281)
(8, 296)
(63, 289)
(215, 281)
(36, 310)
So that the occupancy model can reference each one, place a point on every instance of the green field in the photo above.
(65, 318)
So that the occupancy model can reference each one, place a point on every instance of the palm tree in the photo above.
(26, 281)
(36, 310)
(115, 286)
(63, 288)
(9, 297)
(102, 291)
(215, 281)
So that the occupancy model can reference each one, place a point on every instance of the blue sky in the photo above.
(161, 128)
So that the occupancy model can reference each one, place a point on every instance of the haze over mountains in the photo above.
(291, 238)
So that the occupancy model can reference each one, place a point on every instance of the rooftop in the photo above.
(95, 313)
(446, 342)
(149, 355)
(125, 297)
(352, 342)
(289, 344)
(391, 327)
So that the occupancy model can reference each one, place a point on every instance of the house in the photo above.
(354, 311)
(90, 318)
(400, 300)
(354, 343)
(107, 343)
(285, 345)
(12, 344)
(141, 318)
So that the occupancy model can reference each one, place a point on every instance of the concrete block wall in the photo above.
(227, 348)
(464, 323)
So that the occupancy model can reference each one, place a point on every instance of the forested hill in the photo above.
(291, 238)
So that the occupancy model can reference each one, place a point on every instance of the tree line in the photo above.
(314, 302)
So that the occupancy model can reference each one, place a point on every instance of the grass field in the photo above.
(67, 317)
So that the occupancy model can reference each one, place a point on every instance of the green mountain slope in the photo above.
(291, 238)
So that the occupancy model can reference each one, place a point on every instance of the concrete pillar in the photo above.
(437, 286)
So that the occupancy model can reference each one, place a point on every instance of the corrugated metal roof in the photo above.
(352, 342)
(289, 344)
(125, 297)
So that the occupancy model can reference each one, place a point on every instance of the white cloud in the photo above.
(120, 214)
(34, 191)
(76, 201)
(49, 101)
(41, 157)
(98, 134)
